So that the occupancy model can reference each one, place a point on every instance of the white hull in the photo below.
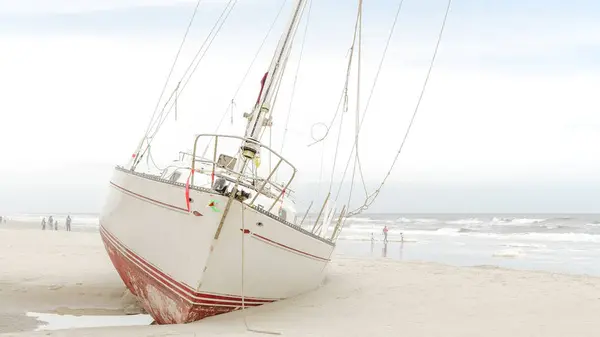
(171, 259)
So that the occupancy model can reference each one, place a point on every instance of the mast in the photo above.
(261, 113)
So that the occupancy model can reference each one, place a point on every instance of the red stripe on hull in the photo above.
(181, 288)
(123, 189)
(267, 240)
(163, 301)
(281, 245)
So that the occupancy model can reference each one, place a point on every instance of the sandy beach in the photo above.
(54, 271)
(69, 273)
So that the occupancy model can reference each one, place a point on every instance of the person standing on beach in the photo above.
(68, 223)
(385, 232)
(50, 222)
(56, 225)
(44, 224)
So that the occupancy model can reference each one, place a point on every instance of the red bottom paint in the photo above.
(166, 300)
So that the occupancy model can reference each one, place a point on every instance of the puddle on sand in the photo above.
(57, 321)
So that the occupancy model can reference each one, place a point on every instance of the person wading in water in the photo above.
(68, 223)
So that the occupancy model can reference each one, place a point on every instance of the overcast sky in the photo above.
(511, 109)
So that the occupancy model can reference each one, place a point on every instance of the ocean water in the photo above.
(564, 243)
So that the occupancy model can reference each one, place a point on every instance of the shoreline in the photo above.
(70, 273)
(453, 248)
(30, 225)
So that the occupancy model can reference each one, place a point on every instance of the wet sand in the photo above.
(55, 272)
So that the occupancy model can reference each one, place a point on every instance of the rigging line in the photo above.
(374, 195)
(344, 174)
(210, 43)
(375, 81)
(260, 48)
(188, 79)
(282, 59)
(351, 182)
(289, 112)
(344, 99)
(275, 96)
(152, 160)
(280, 80)
(358, 63)
(147, 161)
(173, 94)
(218, 25)
(271, 153)
(321, 170)
(362, 177)
(337, 147)
(239, 87)
(383, 57)
(201, 57)
(342, 95)
(174, 63)
(150, 122)
(210, 38)
(233, 106)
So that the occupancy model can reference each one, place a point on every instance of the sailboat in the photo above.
(179, 238)
(175, 237)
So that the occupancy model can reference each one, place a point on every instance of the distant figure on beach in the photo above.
(68, 223)
(401, 237)
(1, 219)
(385, 232)
(50, 222)
(44, 224)
(372, 237)
(56, 225)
